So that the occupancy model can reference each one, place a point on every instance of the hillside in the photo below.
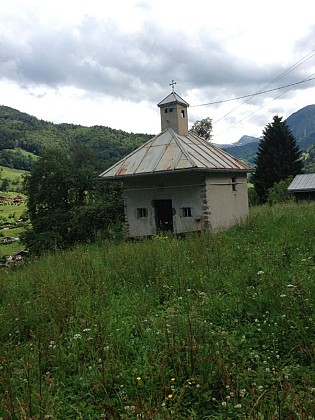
(22, 132)
(216, 326)
(302, 126)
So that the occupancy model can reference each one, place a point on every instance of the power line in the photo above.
(261, 91)
(283, 93)
(254, 94)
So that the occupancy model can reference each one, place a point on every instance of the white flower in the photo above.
(223, 404)
(260, 272)
(243, 392)
(77, 336)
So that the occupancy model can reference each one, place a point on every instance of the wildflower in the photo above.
(260, 272)
(173, 379)
(170, 396)
(290, 286)
(238, 406)
(77, 336)
(86, 329)
(138, 378)
(223, 403)
(283, 296)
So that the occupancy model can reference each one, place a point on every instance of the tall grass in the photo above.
(213, 326)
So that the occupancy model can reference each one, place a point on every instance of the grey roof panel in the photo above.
(302, 182)
(169, 151)
(173, 98)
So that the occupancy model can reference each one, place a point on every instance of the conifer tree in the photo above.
(278, 157)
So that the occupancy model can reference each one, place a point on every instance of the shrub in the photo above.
(279, 192)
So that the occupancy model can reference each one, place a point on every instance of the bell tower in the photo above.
(173, 111)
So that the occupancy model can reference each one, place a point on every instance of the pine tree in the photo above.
(278, 157)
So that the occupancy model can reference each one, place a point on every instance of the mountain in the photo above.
(302, 126)
(20, 133)
(244, 140)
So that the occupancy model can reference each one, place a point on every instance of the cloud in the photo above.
(64, 56)
(98, 57)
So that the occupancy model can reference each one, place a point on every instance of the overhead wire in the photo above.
(253, 94)
(263, 106)
(264, 90)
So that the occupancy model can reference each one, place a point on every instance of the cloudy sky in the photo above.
(109, 62)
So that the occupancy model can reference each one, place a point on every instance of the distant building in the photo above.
(17, 199)
(179, 182)
(303, 187)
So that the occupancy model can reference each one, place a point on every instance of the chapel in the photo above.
(179, 182)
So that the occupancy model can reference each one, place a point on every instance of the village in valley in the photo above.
(13, 221)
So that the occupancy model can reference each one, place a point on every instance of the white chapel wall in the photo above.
(184, 189)
(227, 197)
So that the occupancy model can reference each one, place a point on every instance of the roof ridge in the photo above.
(181, 147)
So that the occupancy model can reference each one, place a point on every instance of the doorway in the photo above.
(163, 215)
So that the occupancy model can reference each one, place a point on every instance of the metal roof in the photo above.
(301, 183)
(169, 151)
(173, 98)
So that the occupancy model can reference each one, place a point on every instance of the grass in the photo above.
(217, 326)
(11, 213)
(12, 174)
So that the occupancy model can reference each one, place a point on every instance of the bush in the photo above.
(253, 198)
(279, 192)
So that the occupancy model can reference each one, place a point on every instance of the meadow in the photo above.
(211, 326)
(11, 213)
(14, 175)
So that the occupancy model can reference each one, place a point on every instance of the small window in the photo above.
(142, 212)
(165, 111)
(233, 183)
(171, 109)
(186, 211)
(183, 113)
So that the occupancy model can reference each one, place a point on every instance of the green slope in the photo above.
(215, 326)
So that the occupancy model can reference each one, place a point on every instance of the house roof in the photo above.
(302, 183)
(173, 98)
(169, 152)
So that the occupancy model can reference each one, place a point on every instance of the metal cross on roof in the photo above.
(173, 84)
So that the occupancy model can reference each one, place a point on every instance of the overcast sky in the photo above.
(109, 62)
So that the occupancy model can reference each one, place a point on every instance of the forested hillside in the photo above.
(20, 133)
(302, 126)
(24, 137)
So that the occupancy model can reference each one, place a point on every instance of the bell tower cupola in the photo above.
(173, 111)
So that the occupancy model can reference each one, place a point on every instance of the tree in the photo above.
(66, 203)
(203, 128)
(278, 157)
